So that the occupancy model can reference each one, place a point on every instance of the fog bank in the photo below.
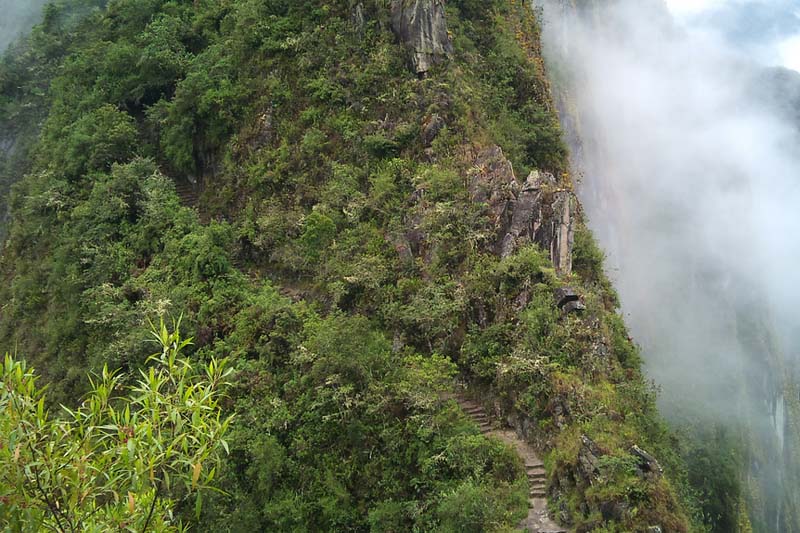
(18, 16)
(690, 176)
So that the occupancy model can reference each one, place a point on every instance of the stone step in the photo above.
(538, 494)
(537, 475)
(187, 193)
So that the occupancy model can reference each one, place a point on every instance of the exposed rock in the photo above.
(614, 510)
(263, 132)
(413, 241)
(560, 411)
(588, 459)
(359, 21)
(654, 529)
(431, 128)
(421, 26)
(7, 143)
(522, 299)
(402, 246)
(398, 342)
(647, 463)
(536, 211)
(520, 214)
(565, 295)
(573, 307)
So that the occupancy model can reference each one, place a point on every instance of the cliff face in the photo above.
(422, 28)
(362, 237)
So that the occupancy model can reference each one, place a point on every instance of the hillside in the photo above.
(375, 212)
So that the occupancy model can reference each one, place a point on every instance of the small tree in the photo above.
(118, 461)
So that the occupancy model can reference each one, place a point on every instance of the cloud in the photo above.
(692, 185)
(789, 51)
(765, 30)
(693, 7)
(18, 17)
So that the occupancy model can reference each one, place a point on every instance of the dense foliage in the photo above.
(302, 127)
(113, 462)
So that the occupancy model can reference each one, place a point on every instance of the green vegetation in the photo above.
(305, 133)
(112, 463)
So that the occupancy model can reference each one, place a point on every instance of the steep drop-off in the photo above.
(688, 157)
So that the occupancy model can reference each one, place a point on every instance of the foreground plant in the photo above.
(123, 458)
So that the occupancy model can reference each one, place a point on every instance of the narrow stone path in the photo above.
(186, 192)
(538, 519)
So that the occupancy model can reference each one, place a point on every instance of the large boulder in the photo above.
(536, 211)
(422, 28)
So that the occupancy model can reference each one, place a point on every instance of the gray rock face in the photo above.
(421, 26)
(536, 211)
(565, 295)
(589, 459)
(431, 128)
(7, 144)
(358, 19)
(647, 463)
(573, 307)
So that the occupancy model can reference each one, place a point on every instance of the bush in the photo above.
(122, 456)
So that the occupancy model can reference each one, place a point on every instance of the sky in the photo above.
(768, 30)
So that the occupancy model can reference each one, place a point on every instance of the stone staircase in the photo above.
(537, 480)
(186, 192)
(189, 197)
(538, 519)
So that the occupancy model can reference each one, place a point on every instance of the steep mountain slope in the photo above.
(363, 236)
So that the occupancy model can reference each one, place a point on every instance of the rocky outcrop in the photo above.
(589, 459)
(564, 295)
(569, 301)
(647, 464)
(431, 127)
(422, 28)
(536, 211)
(358, 18)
